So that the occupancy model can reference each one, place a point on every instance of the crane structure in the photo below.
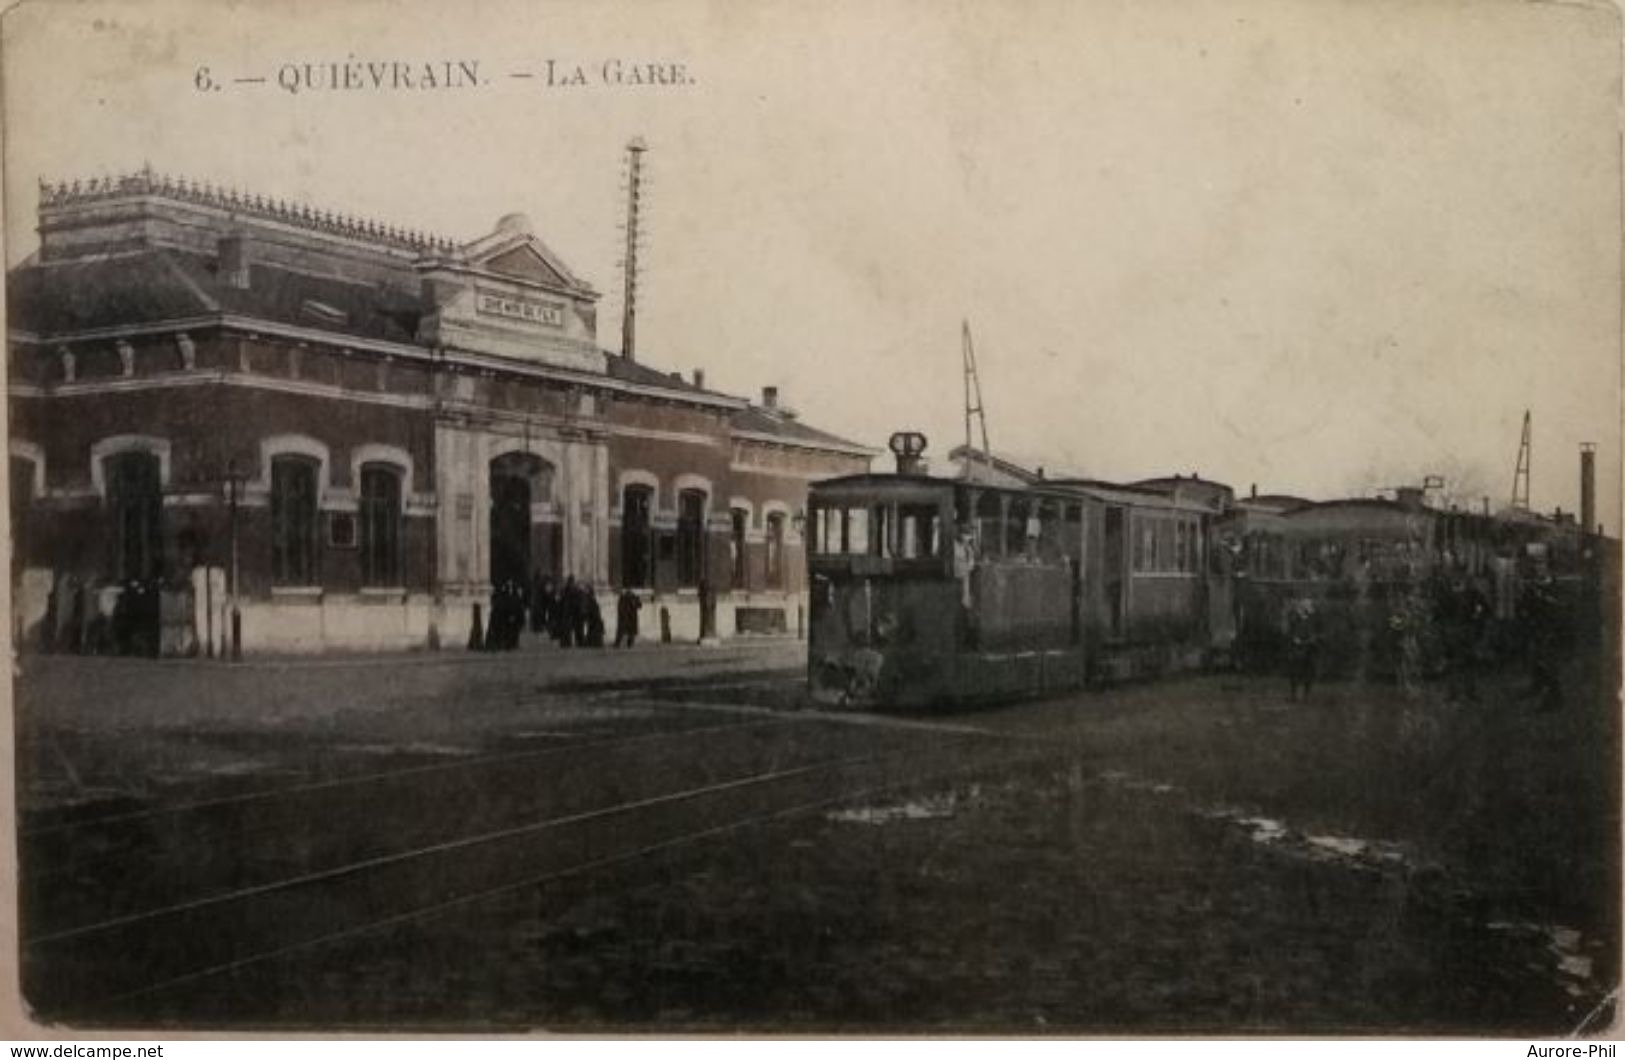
(973, 402)
(1520, 473)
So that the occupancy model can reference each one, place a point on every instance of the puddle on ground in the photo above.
(930, 807)
(1264, 829)
(1563, 945)
(417, 747)
(1129, 782)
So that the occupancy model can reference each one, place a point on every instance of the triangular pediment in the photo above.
(524, 262)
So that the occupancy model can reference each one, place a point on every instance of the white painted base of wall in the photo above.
(30, 599)
(337, 623)
(318, 622)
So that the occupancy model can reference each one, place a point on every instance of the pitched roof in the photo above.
(642, 374)
(153, 286)
(759, 421)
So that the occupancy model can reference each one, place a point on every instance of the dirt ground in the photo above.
(1196, 855)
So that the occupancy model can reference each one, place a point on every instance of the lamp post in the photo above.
(798, 522)
(233, 477)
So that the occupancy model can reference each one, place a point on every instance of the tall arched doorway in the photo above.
(135, 510)
(517, 481)
(637, 553)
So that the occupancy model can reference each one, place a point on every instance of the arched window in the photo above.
(775, 550)
(293, 520)
(136, 506)
(690, 537)
(636, 568)
(380, 525)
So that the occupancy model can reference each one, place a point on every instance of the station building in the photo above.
(355, 432)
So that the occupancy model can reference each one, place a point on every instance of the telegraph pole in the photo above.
(233, 478)
(629, 264)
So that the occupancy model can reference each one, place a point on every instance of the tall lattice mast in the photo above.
(973, 403)
(1520, 474)
(629, 264)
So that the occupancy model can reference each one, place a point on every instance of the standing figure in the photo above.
(567, 613)
(627, 606)
(541, 603)
(1543, 640)
(964, 569)
(1463, 615)
(592, 618)
(1303, 646)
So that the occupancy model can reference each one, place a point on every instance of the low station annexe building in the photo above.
(370, 428)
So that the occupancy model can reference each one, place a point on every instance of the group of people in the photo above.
(568, 613)
(91, 618)
(1446, 626)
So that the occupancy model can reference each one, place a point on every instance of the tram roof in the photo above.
(881, 484)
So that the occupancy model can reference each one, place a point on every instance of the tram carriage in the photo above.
(930, 591)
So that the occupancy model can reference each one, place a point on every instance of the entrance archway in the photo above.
(516, 480)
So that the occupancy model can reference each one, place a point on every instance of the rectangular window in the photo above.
(918, 529)
(857, 532)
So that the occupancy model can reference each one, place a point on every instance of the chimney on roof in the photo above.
(1409, 497)
(1588, 486)
(699, 378)
(234, 260)
(770, 397)
(1255, 491)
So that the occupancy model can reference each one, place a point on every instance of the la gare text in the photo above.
(394, 75)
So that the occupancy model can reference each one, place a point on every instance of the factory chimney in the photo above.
(1588, 487)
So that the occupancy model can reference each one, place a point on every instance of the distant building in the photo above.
(990, 469)
(404, 422)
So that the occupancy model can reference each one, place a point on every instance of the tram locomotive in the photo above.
(930, 591)
(934, 591)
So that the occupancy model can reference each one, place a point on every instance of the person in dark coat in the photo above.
(1544, 637)
(593, 618)
(1303, 646)
(496, 629)
(627, 606)
(566, 613)
(541, 604)
(1462, 614)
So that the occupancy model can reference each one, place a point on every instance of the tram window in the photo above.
(880, 531)
(856, 541)
(918, 531)
(1015, 527)
(988, 515)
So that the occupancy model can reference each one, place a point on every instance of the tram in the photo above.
(931, 591)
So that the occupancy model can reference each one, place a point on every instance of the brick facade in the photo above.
(374, 424)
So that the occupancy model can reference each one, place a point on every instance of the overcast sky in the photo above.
(1317, 246)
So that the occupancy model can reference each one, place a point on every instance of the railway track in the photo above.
(413, 852)
(194, 852)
